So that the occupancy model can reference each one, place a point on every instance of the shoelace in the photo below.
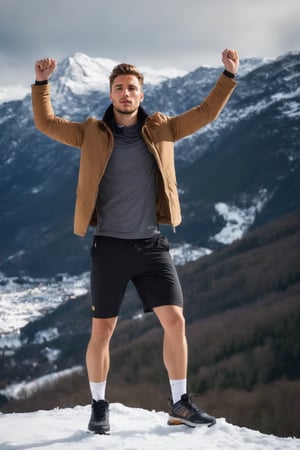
(192, 404)
(99, 409)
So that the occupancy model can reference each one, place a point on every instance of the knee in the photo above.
(179, 322)
(102, 330)
(175, 324)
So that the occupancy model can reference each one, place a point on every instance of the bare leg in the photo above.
(97, 355)
(175, 351)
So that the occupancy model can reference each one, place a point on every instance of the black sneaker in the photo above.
(186, 412)
(99, 421)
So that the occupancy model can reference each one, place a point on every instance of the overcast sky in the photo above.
(159, 33)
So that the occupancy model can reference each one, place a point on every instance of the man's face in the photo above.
(126, 94)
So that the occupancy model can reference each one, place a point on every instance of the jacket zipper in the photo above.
(152, 150)
(99, 177)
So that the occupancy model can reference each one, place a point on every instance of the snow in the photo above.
(238, 220)
(25, 389)
(83, 74)
(46, 335)
(25, 299)
(131, 429)
(186, 252)
(248, 65)
(291, 109)
(10, 93)
(86, 74)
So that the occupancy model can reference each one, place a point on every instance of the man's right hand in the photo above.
(44, 68)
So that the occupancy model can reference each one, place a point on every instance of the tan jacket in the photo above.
(96, 142)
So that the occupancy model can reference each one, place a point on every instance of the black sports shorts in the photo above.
(146, 262)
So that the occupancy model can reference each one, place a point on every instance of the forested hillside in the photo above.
(242, 306)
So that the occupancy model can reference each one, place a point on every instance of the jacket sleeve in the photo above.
(192, 120)
(62, 130)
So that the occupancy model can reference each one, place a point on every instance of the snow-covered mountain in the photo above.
(239, 172)
(82, 74)
(9, 93)
(131, 429)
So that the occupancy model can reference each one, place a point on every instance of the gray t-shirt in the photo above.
(126, 203)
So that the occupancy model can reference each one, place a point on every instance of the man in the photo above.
(126, 187)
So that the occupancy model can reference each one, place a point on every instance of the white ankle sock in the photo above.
(98, 390)
(178, 388)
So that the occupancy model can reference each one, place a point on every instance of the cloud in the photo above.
(184, 34)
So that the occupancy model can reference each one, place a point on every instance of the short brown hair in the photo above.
(125, 69)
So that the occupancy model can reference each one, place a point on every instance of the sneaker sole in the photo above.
(179, 421)
(99, 430)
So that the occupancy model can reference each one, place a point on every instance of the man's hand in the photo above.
(44, 68)
(230, 60)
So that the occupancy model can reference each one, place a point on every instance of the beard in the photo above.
(126, 112)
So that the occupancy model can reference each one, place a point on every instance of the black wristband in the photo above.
(41, 83)
(229, 74)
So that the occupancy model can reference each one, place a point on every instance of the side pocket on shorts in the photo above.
(163, 243)
(94, 245)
